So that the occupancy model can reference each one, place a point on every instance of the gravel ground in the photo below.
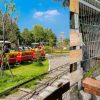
(56, 61)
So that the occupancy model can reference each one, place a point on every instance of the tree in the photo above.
(11, 29)
(14, 34)
(7, 10)
(38, 33)
(27, 36)
(51, 37)
(0, 24)
(67, 40)
(64, 2)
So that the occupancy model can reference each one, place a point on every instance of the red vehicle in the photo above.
(27, 55)
(24, 56)
(12, 58)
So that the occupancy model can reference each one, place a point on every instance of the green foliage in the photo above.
(27, 36)
(0, 24)
(8, 6)
(22, 73)
(67, 40)
(39, 61)
(38, 34)
(12, 32)
(65, 3)
(11, 7)
(51, 37)
(48, 49)
(11, 29)
(90, 72)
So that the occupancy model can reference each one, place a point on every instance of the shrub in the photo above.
(49, 49)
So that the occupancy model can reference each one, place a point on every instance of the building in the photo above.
(84, 34)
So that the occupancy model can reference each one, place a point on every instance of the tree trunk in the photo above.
(2, 64)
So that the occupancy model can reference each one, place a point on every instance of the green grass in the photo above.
(32, 84)
(22, 73)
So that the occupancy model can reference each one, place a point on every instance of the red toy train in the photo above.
(28, 55)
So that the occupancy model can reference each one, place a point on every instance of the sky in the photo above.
(47, 13)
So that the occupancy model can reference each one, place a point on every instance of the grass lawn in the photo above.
(21, 73)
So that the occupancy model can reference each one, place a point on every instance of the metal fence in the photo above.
(89, 25)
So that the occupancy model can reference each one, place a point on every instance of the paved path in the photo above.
(58, 60)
